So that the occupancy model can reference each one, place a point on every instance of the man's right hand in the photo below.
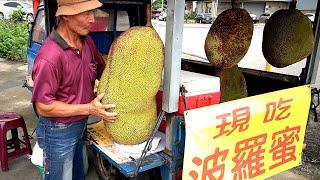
(95, 107)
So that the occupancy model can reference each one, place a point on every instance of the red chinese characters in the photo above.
(212, 168)
(254, 155)
(248, 161)
(249, 158)
(277, 110)
(240, 120)
(283, 146)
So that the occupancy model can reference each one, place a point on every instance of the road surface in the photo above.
(194, 36)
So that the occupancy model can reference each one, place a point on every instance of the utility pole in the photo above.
(162, 5)
(217, 2)
(214, 8)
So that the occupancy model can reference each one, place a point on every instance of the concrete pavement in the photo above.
(194, 36)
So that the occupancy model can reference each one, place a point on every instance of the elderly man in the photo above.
(64, 73)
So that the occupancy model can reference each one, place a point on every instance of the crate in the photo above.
(202, 90)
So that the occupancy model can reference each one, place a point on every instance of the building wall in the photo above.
(256, 8)
(272, 7)
(223, 6)
(189, 7)
(203, 7)
(307, 6)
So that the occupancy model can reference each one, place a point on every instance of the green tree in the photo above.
(158, 4)
(17, 15)
(13, 40)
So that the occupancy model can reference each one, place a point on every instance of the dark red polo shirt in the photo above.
(65, 74)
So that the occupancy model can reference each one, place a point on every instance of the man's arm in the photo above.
(61, 109)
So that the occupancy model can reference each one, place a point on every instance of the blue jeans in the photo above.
(63, 149)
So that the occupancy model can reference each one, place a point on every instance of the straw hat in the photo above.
(72, 7)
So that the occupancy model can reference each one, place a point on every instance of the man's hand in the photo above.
(95, 107)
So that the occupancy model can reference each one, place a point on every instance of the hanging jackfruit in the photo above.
(232, 84)
(229, 38)
(130, 81)
(287, 38)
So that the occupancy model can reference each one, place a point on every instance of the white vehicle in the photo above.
(254, 18)
(163, 16)
(7, 7)
(310, 16)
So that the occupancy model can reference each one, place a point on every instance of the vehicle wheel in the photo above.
(104, 170)
(1, 16)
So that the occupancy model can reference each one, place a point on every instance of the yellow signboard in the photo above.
(250, 138)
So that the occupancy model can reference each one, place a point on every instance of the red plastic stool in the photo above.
(12, 121)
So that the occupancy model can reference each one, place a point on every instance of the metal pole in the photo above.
(217, 8)
(162, 5)
(313, 63)
(173, 49)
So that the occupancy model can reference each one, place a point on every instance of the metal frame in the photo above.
(128, 169)
(313, 60)
(172, 158)
(169, 161)
(173, 49)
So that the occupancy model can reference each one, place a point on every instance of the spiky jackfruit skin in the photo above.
(287, 38)
(229, 38)
(130, 81)
(232, 84)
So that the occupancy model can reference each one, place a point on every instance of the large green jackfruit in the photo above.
(287, 38)
(229, 38)
(130, 81)
(232, 84)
